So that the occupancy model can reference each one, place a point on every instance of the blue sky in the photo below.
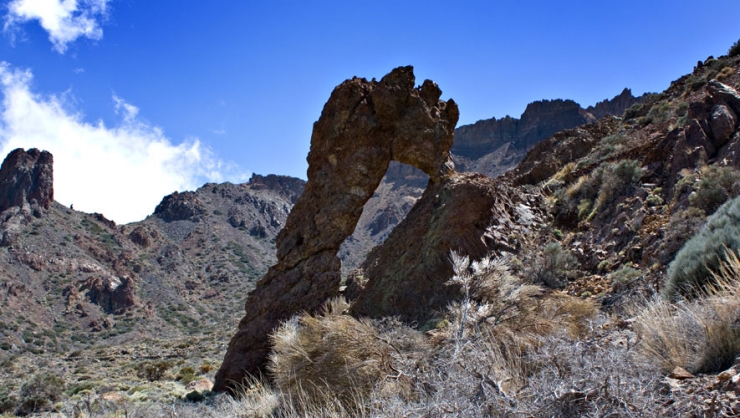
(138, 98)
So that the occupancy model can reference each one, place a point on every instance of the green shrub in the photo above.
(682, 226)
(653, 200)
(40, 393)
(555, 265)
(624, 276)
(717, 184)
(153, 371)
(691, 271)
(186, 375)
(604, 184)
(659, 113)
(734, 49)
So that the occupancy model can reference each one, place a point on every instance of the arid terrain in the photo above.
(552, 272)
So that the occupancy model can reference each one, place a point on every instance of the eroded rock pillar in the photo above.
(363, 126)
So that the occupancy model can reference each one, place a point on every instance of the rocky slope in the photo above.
(490, 147)
(71, 279)
(626, 193)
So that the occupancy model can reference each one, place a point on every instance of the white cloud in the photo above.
(64, 20)
(122, 171)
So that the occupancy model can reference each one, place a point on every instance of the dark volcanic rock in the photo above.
(27, 178)
(540, 120)
(180, 207)
(363, 127)
(494, 146)
(290, 187)
(615, 107)
(112, 295)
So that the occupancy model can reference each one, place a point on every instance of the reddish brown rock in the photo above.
(363, 127)
(112, 295)
(468, 213)
(27, 178)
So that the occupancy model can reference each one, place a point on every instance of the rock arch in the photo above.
(363, 127)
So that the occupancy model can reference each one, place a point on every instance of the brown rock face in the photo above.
(469, 213)
(180, 207)
(363, 127)
(27, 177)
(112, 295)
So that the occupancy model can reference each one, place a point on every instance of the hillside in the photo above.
(490, 147)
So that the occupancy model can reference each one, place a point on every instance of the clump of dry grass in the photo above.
(494, 299)
(700, 335)
(319, 361)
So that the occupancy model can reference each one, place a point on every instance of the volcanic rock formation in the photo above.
(465, 212)
(363, 127)
(27, 178)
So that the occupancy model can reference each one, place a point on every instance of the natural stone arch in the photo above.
(363, 126)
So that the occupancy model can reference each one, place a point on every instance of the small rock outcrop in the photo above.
(180, 207)
(363, 127)
(27, 178)
(113, 295)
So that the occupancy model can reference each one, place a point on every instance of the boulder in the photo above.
(363, 127)
(113, 295)
(722, 93)
(722, 122)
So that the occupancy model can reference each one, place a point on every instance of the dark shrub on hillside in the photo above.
(619, 179)
(717, 184)
(555, 265)
(734, 49)
(692, 269)
(40, 393)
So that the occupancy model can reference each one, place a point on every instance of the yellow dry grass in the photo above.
(700, 335)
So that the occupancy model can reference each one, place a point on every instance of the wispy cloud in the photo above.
(64, 20)
(121, 171)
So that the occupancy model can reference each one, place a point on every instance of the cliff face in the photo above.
(493, 146)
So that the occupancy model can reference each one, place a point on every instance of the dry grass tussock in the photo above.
(700, 335)
(334, 360)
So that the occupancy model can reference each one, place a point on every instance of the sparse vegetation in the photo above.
(153, 371)
(691, 271)
(717, 184)
(40, 393)
(554, 266)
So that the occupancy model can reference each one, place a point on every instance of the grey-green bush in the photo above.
(717, 184)
(691, 271)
